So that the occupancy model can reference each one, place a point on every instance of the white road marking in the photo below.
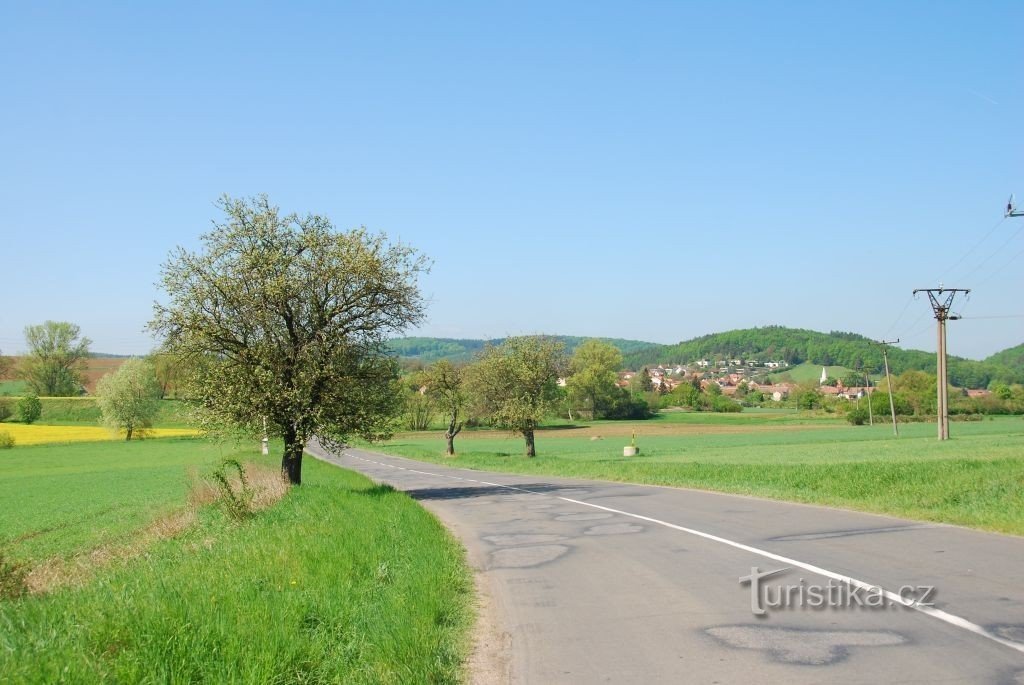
(944, 616)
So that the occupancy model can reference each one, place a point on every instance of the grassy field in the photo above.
(65, 499)
(341, 581)
(78, 411)
(976, 479)
(807, 372)
(13, 388)
(37, 434)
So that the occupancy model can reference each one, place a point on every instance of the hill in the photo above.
(837, 348)
(429, 350)
(1012, 357)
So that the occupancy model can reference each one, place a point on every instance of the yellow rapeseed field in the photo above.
(41, 435)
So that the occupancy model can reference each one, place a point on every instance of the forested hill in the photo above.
(828, 349)
(1012, 357)
(427, 350)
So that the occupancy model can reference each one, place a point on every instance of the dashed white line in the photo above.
(944, 616)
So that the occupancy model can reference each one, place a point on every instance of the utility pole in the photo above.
(888, 381)
(871, 418)
(941, 300)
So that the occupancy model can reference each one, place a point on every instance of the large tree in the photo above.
(129, 398)
(285, 318)
(591, 383)
(515, 384)
(446, 384)
(56, 359)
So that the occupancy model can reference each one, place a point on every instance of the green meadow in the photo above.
(976, 479)
(340, 581)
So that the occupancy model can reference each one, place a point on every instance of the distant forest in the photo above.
(429, 350)
(792, 345)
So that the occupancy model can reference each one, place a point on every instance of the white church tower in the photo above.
(824, 376)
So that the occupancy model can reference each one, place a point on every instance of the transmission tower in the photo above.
(941, 300)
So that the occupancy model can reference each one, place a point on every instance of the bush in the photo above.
(29, 409)
(6, 440)
(5, 410)
(627, 406)
(857, 416)
(235, 495)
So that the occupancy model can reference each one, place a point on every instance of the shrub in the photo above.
(857, 416)
(6, 440)
(5, 410)
(29, 409)
(235, 494)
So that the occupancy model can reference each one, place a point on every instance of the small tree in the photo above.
(29, 409)
(641, 382)
(419, 406)
(446, 385)
(516, 384)
(591, 383)
(129, 398)
(56, 358)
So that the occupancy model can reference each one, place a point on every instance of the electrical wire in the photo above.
(978, 244)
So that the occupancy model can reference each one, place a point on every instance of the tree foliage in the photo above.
(129, 398)
(288, 319)
(56, 359)
(30, 409)
(515, 384)
(419, 406)
(591, 384)
(446, 384)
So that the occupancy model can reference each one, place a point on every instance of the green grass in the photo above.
(976, 479)
(341, 581)
(83, 411)
(13, 388)
(62, 499)
(807, 372)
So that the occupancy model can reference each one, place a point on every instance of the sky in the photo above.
(654, 171)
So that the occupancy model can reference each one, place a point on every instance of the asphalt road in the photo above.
(597, 582)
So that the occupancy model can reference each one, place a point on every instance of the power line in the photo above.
(992, 274)
(998, 251)
(978, 244)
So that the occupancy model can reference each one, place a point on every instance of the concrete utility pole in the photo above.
(941, 300)
(888, 381)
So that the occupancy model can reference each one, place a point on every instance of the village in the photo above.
(740, 377)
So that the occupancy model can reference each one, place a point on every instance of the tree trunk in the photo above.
(128, 434)
(531, 448)
(454, 427)
(291, 463)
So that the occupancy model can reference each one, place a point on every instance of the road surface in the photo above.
(598, 582)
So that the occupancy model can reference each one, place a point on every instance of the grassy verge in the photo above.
(976, 479)
(341, 581)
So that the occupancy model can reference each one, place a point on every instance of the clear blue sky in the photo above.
(646, 170)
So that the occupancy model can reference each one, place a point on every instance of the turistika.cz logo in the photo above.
(835, 594)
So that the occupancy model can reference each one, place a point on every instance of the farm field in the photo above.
(973, 480)
(339, 580)
(78, 411)
(807, 372)
(39, 434)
